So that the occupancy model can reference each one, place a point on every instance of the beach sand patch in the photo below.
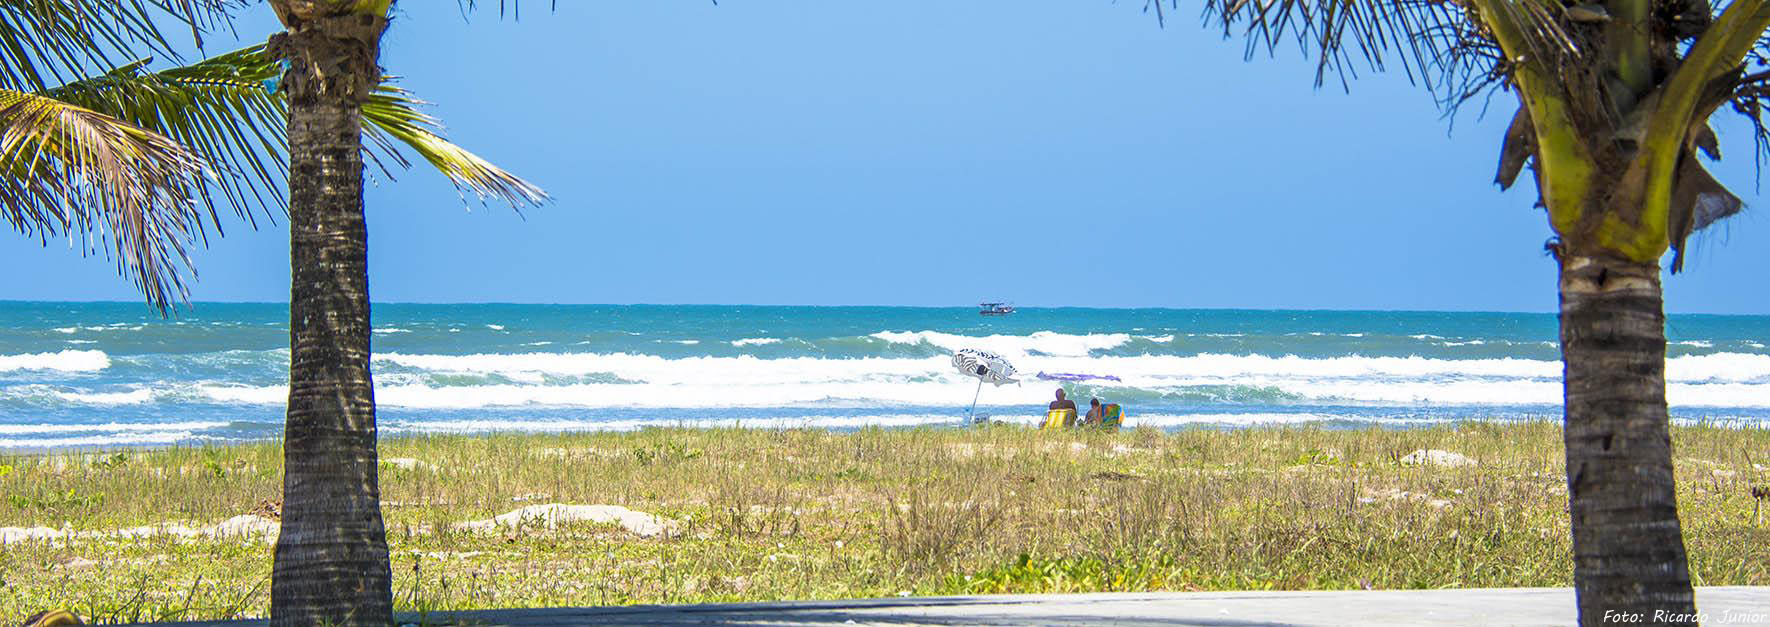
(1393, 494)
(257, 526)
(555, 514)
(1435, 457)
(408, 463)
(580, 452)
(242, 527)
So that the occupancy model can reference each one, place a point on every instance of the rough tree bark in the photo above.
(1629, 561)
(331, 559)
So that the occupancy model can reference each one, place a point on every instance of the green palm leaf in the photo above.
(49, 42)
(69, 170)
(218, 107)
(393, 112)
(227, 111)
(1455, 48)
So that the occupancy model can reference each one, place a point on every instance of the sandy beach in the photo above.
(724, 515)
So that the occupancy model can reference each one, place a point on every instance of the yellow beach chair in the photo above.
(1111, 418)
(53, 618)
(1059, 419)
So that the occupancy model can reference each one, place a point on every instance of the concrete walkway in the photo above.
(1510, 606)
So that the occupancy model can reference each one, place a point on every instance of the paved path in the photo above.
(1506, 606)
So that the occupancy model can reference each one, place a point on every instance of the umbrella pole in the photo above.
(974, 396)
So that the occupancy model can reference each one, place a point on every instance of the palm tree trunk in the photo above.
(1628, 549)
(331, 559)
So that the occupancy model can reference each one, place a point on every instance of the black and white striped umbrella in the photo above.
(988, 367)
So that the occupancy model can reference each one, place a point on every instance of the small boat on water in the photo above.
(995, 309)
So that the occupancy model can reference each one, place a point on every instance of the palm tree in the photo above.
(1614, 102)
(142, 161)
(331, 558)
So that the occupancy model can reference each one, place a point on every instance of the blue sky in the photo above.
(928, 152)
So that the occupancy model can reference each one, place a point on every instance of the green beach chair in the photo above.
(1111, 417)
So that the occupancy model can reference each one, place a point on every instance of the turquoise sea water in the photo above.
(107, 374)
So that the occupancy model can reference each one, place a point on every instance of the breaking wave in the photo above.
(648, 381)
(65, 361)
(1039, 343)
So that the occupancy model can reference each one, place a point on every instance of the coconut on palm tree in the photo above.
(1614, 103)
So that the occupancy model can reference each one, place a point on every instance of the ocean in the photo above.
(79, 375)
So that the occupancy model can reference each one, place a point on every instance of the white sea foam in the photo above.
(1220, 365)
(109, 427)
(1721, 380)
(115, 326)
(1719, 367)
(1134, 419)
(741, 370)
(65, 361)
(553, 426)
(1039, 343)
(686, 342)
(392, 330)
(69, 330)
(755, 341)
(1696, 344)
(859, 421)
(151, 437)
(495, 327)
(1159, 338)
(132, 397)
(245, 394)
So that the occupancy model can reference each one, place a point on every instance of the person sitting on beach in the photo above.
(1096, 412)
(1061, 402)
(1062, 414)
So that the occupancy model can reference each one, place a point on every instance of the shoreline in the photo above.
(224, 375)
(1028, 421)
(763, 515)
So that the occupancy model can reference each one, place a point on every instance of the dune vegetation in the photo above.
(809, 514)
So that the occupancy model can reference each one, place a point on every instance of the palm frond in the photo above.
(393, 113)
(228, 109)
(219, 107)
(44, 43)
(513, 6)
(1415, 34)
(202, 16)
(68, 170)
(160, 152)
(1443, 44)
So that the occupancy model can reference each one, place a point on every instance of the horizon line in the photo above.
(187, 305)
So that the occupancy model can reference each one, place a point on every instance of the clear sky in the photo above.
(929, 152)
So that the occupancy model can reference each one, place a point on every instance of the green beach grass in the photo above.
(810, 514)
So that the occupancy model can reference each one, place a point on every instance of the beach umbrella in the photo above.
(988, 367)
